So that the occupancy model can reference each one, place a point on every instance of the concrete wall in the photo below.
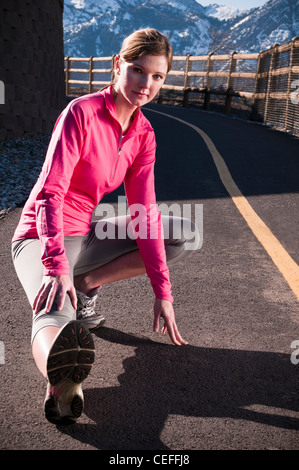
(31, 66)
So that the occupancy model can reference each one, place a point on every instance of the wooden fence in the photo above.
(263, 84)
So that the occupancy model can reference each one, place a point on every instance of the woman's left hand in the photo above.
(163, 308)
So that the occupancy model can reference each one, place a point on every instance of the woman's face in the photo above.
(140, 80)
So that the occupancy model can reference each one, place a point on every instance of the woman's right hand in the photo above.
(54, 288)
(164, 309)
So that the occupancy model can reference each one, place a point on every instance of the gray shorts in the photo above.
(86, 253)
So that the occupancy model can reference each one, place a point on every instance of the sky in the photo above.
(241, 4)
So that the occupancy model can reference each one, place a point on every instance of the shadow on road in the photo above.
(162, 380)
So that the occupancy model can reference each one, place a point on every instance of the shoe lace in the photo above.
(86, 305)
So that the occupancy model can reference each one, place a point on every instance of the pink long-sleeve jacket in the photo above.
(86, 159)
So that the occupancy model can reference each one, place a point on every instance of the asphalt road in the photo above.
(234, 386)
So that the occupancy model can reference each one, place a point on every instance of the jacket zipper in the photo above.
(118, 154)
(117, 158)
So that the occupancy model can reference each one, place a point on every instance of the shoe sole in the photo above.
(53, 415)
(99, 325)
(72, 354)
(93, 324)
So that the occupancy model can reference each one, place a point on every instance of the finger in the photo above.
(35, 302)
(156, 324)
(174, 338)
(181, 340)
(59, 297)
(39, 299)
(170, 329)
(61, 300)
(174, 334)
(178, 336)
(73, 297)
(50, 299)
(39, 304)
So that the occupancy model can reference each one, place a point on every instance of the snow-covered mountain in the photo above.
(93, 28)
(223, 12)
(276, 22)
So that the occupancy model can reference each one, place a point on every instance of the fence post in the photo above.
(160, 96)
(289, 86)
(230, 83)
(210, 66)
(254, 111)
(91, 75)
(67, 75)
(269, 86)
(112, 69)
(187, 81)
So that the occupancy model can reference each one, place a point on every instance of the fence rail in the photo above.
(262, 85)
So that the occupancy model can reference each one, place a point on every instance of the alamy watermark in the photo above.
(2, 92)
(183, 221)
(295, 354)
(2, 353)
(294, 96)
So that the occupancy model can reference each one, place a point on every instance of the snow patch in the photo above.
(223, 12)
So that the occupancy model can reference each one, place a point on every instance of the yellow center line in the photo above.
(280, 257)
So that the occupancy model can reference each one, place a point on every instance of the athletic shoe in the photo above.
(69, 363)
(86, 314)
(64, 402)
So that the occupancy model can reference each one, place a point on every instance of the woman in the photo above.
(99, 141)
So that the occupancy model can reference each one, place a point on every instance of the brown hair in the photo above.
(147, 41)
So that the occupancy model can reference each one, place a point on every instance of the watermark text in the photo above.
(2, 353)
(295, 354)
(294, 96)
(180, 221)
(2, 92)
